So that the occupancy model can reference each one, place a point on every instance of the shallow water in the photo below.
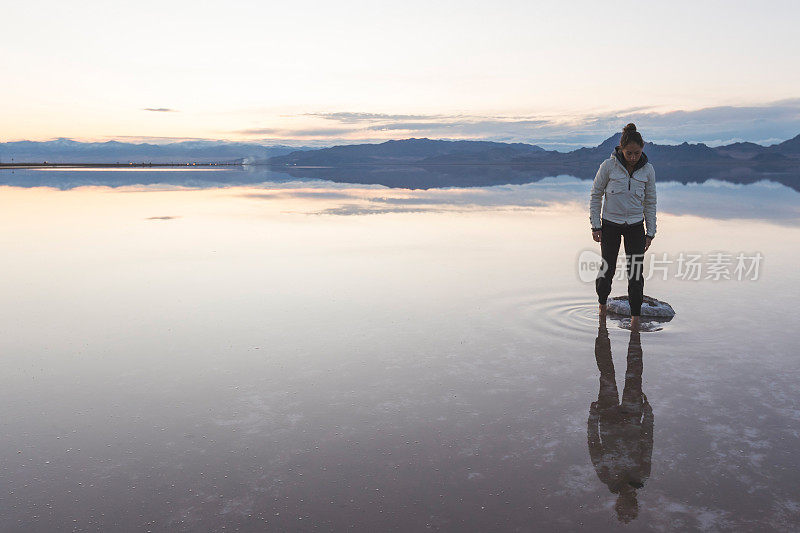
(308, 355)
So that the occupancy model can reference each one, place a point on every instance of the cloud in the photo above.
(160, 109)
(414, 126)
(308, 132)
(755, 123)
(465, 127)
(349, 117)
(154, 139)
(765, 124)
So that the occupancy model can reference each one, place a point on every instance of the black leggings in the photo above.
(634, 237)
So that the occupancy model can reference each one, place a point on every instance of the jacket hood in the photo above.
(621, 158)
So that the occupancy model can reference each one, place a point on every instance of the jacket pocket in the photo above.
(617, 184)
(638, 184)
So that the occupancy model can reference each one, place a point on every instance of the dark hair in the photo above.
(630, 135)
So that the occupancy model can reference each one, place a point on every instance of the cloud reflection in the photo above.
(767, 201)
(356, 209)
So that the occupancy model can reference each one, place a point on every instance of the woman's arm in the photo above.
(596, 196)
(650, 205)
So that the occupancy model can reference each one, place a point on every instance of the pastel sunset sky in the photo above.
(325, 72)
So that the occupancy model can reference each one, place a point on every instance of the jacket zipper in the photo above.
(630, 175)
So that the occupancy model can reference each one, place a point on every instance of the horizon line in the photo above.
(316, 143)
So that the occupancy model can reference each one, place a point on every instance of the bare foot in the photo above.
(602, 309)
(635, 322)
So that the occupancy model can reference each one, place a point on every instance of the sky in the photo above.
(551, 73)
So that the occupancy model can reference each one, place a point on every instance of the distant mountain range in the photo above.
(412, 151)
(432, 152)
(411, 163)
(418, 152)
(431, 163)
(69, 151)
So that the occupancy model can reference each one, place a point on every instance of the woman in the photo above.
(628, 183)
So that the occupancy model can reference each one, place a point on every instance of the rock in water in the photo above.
(650, 307)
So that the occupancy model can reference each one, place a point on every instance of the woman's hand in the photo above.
(597, 235)
(647, 241)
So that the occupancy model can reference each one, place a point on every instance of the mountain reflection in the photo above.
(405, 189)
(620, 435)
(393, 176)
(432, 176)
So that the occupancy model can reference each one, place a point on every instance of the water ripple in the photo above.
(560, 315)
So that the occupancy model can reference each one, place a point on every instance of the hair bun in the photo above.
(630, 127)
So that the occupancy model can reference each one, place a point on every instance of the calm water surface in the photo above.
(313, 356)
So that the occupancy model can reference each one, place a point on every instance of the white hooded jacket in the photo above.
(629, 198)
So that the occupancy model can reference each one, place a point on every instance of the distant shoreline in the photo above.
(45, 164)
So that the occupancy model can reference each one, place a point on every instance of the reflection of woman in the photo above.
(628, 183)
(621, 435)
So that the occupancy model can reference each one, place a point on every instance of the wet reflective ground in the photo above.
(311, 356)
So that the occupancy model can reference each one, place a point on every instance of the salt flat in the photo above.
(309, 355)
